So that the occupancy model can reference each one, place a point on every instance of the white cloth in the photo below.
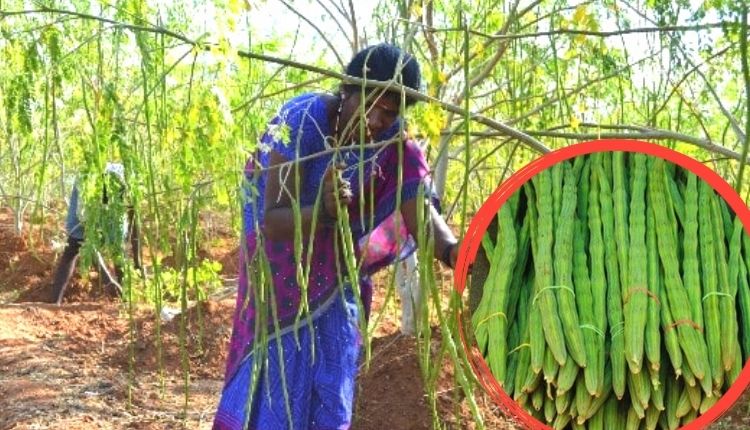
(116, 169)
(407, 284)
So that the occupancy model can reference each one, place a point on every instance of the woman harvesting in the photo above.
(323, 212)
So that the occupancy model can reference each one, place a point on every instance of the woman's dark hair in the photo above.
(381, 63)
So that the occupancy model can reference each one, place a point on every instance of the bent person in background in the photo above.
(117, 219)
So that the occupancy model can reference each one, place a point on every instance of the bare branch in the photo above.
(732, 121)
(695, 68)
(353, 21)
(639, 133)
(487, 69)
(602, 34)
(494, 124)
(339, 7)
(245, 104)
(316, 28)
(429, 34)
(60, 21)
(338, 24)
(577, 90)
(506, 26)
(746, 78)
(552, 13)
(696, 114)
(605, 34)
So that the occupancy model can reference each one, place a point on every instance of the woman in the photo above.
(295, 347)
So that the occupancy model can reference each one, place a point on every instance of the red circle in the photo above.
(481, 221)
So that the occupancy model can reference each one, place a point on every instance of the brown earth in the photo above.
(92, 363)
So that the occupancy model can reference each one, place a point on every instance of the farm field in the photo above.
(131, 132)
(69, 366)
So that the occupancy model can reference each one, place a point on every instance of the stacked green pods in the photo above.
(618, 295)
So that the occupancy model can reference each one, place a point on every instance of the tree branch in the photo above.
(668, 28)
(246, 103)
(746, 78)
(475, 80)
(338, 23)
(732, 121)
(603, 34)
(577, 90)
(353, 22)
(640, 133)
(696, 68)
(318, 30)
(391, 85)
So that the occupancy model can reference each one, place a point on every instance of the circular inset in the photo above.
(661, 322)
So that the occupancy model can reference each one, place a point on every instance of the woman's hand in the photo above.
(454, 254)
(335, 187)
(450, 254)
(446, 244)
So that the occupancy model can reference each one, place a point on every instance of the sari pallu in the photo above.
(379, 236)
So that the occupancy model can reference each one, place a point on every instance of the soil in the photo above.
(88, 364)
(92, 363)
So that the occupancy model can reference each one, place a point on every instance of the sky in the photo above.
(271, 20)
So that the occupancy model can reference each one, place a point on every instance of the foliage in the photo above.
(179, 93)
(203, 280)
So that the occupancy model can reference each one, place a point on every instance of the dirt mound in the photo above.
(399, 373)
(230, 262)
(12, 245)
(25, 265)
(163, 346)
(68, 367)
(71, 367)
(30, 271)
(77, 366)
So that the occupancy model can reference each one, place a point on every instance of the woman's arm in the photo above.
(445, 241)
(279, 215)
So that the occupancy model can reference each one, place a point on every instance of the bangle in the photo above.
(446, 257)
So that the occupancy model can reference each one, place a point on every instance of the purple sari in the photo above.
(380, 237)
